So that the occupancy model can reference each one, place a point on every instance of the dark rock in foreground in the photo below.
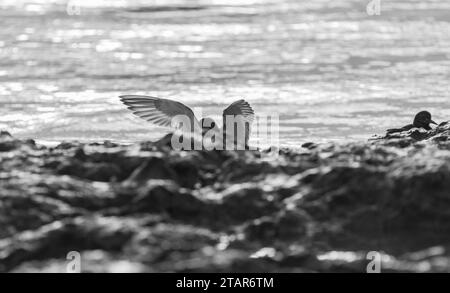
(145, 208)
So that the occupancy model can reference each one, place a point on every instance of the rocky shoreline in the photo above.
(146, 208)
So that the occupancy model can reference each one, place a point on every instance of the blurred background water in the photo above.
(327, 68)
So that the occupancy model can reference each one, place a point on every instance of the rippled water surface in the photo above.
(330, 70)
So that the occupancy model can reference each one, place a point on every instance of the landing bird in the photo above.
(422, 120)
(173, 114)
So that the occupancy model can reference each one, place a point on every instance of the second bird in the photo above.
(422, 120)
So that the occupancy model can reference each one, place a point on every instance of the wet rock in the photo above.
(240, 203)
(4, 134)
(290, 225)
(24, 210)
(93, 261)
(244, 171)
(57, 239)
(152, 168)
(80, 154)
(187, 172)
(164, 197)
(78, 194)
(92, 171)
(65, 146)
(309, 145)
(147, 208)
(171, 243)
(8, 143)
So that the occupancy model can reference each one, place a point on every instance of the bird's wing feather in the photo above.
(240, 107)
(162, 112)
(244, 111)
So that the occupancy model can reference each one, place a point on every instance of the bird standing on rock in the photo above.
(422, 120)
(169, 113)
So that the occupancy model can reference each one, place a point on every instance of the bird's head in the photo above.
(423, 120)
(207, 124)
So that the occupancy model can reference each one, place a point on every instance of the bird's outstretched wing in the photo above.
(162, 112)
(242, 108)
(243, 115)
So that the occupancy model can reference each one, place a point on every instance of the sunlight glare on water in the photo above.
(327, 68)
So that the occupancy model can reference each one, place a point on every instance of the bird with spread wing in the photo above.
(168, 113)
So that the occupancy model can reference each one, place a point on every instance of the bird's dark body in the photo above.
(421, 120)
(404, 128)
